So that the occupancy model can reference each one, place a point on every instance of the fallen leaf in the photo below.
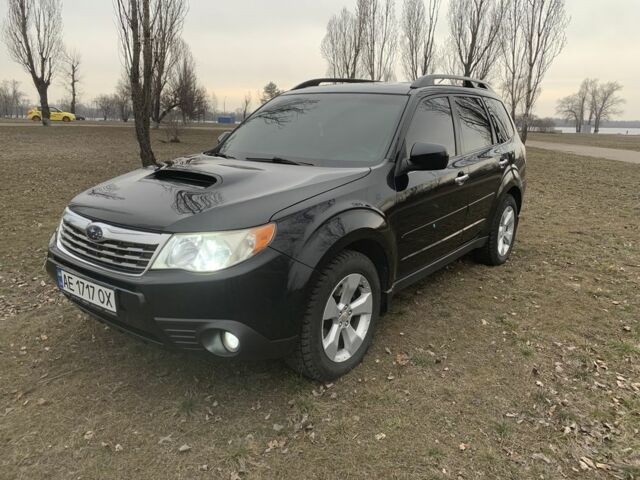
(463, 446)
(587, 461)
(184, 448)
(380, 436)
(119, 447)
(402, 359)
(277, 427)
(541, 456)
(89, 434)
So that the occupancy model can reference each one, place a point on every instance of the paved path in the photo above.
(628, 156)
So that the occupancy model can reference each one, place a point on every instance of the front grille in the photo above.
(112, 252)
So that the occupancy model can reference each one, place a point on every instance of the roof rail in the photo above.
(317, 81)
(468, 82)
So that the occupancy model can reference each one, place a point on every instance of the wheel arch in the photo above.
(362, 230)
(512, 185)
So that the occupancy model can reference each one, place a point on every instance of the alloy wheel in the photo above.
(506, 230)
(346, 317)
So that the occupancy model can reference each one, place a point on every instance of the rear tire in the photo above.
(35, 119)
(502, 234)
(66, 119)
(341, 314)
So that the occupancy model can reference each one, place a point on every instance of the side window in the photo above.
(474, 124)
(432, 123)
(500, 118)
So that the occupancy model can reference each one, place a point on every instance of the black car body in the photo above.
(408, 176)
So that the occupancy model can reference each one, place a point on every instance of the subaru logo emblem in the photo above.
(94, 232)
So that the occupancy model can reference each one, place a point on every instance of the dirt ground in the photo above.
(620, 142)
(529, 370)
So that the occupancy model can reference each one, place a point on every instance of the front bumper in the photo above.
(260, 301)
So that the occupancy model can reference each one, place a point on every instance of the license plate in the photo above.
(87, 291)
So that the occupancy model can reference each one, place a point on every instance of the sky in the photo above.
(241, 45)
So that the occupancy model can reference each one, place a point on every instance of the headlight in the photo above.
(209, 252)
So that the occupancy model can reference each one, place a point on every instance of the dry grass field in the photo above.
(529, 370)
(619, 142)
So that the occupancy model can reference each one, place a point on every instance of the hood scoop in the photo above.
(184, 177)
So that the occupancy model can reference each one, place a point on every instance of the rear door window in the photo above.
(432, 123)
(475, 128)
(501, 121)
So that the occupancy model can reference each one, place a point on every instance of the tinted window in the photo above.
(475, 128)
(432, 123)
(330, 129)
(500, 118)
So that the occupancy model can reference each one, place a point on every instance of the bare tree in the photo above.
(342, 44)
(169, 18)
(71, 61)
(474, 27)
(543, 28)
(569, 109)
(135, 29)
(380, 38)
(512, 52)
(122, 99)
(183, 91)
(418, 27)
(106, 106)
(269, 92)
(246, 105)
(606, 103)
(32, 31)
(11, 99)
(584, 102)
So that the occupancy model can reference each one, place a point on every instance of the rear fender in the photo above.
(509, 181)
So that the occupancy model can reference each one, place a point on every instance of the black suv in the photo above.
(290, 237)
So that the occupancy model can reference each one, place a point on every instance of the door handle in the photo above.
(460, 179)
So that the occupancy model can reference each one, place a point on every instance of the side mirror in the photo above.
(428, 156)
(223, 137)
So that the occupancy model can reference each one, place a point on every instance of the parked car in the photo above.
(55, 114)
(292, 235)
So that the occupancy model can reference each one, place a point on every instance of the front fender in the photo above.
(313, 235)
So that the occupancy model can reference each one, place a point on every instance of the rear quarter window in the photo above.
(475, 128)
(500, 118)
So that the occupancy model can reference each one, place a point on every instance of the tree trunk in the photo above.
(73, 96)
(44, 103)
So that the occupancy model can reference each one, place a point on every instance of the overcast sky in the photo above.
(240, 45)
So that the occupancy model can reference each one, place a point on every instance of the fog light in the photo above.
(230, 342)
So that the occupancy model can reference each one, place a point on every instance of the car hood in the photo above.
(205, 193)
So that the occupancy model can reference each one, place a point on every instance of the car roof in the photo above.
(398, 88)
(393, 88)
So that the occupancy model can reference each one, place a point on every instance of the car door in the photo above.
(55, 114)
(430, 210)
(481, 160)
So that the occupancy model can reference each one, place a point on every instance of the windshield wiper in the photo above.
(223, 155)
(284, 161)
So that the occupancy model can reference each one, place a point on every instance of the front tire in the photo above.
(340, 317)
(502, 235)
(66, 119)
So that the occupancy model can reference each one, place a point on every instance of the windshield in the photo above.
(327, 129)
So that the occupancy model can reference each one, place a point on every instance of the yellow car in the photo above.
(56, 114)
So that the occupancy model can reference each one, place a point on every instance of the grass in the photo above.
(618, 142)
(493, 386)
